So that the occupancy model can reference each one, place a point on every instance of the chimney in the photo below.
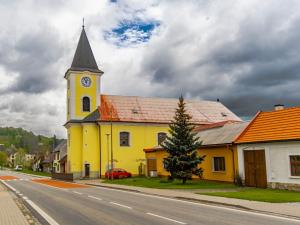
(278, 107)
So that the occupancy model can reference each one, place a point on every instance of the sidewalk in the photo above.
(285, 209)
(10, 214)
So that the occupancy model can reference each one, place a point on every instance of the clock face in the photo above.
(86, 81)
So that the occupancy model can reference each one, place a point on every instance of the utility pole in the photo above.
(111, 141)
(107, 141)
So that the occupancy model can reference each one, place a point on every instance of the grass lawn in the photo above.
(262, 195)
(34, 172)
(165, 184)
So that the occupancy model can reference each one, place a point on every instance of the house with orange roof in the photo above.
(269, 149)
(106, 131)
(221, 159)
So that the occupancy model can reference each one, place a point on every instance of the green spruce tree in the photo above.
(183, 160)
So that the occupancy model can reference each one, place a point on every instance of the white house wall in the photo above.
(277, 160)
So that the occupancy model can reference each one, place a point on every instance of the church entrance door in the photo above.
(87, 170)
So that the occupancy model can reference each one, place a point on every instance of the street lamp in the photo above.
(107, 141)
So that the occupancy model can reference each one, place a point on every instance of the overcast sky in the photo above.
(246, 53)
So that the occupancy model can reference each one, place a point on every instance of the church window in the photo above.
(86, 105)
(161, 136)
(124, 138)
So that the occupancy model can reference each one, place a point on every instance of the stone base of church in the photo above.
(81, 175)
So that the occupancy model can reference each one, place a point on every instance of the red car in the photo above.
(117, 173)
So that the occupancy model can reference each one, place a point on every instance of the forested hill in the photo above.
(15, 138)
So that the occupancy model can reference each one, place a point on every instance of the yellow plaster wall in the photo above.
(129, 158)
(68, 101)
(90, 147)
(74, 148)
(206, 165)
(81, 91)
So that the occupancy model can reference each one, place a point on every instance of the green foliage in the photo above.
(183, 160)
(3, 159)
(165, 184)
(262, 195)
(20, 157)
(31, 143)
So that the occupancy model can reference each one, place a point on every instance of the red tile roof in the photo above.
(160, 110)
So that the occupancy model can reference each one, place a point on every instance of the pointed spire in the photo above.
(84, 57)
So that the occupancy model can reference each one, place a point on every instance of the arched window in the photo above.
(86, 104)
(161, 136)
(124, 138)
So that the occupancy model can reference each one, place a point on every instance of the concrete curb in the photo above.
(200, 201)
(40, 218)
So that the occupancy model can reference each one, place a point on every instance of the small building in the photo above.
(220, 163)
(269, 149)
(59, 152)
(47, 163)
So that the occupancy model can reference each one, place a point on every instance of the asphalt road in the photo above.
(95, 205)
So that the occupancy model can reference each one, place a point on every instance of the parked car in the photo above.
(117, 173)
(19, 167)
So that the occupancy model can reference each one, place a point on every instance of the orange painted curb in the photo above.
(59, 184)
(8, 178)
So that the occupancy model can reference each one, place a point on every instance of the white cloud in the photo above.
(244, 52)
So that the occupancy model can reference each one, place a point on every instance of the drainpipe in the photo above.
(230, 147)
(100, 149)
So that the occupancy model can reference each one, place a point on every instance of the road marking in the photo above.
(125, 206)
(13, 189)
(48, 218)
(77, 192)
(205, 205)
(166, 218)
(90, 196)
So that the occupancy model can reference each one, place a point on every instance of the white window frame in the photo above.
(289, 165)
(82, 103)
(213, 164)
(157, 141)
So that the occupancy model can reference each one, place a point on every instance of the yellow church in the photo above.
(110, 130)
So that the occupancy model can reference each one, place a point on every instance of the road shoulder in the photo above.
(12, 209)
(280, 209)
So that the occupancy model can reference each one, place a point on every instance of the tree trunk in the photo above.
(183, 180)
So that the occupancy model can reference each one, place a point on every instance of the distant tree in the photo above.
(183, 160)
(20, 157)
(3, 159)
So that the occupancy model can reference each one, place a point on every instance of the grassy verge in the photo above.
(262, 195)
(165, 184)
(35, 172)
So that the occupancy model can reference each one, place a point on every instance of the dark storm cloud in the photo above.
(250, 69)
(32, 57)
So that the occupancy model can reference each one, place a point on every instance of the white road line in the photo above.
(125, 206)
(205, 205)
(48, 218)
(166, 218)
(77, 192)
(90, 196)
(13, 189)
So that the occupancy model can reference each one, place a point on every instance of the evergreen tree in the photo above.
(183, 160)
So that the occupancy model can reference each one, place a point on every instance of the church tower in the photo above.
(84, 79)
(83, 98)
